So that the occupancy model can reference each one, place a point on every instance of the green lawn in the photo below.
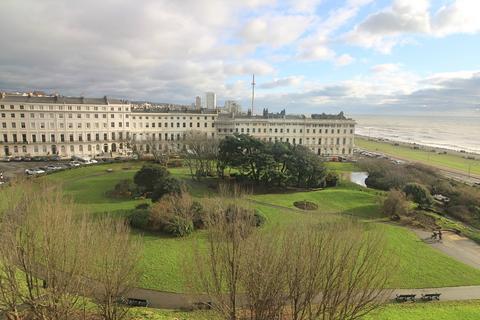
(462, 310)
(445, 161)
(347, 198)
(163, 257)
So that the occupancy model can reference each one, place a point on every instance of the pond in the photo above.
(358, 178)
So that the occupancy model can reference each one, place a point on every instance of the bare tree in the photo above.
(52, 257)
(114, 265)
(348, 272)
(46, 241)
(219, 265)
(263, 280)
(201, 154)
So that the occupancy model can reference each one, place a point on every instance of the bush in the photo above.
(140, 219)
(199, 215)
(125, 189)
(331, 179)
(179, 226)
(156, 182)
(419, 194)
(148, 176)
(169, 185)
(396, 204)
(259, 219)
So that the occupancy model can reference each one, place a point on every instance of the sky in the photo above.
(308, 56)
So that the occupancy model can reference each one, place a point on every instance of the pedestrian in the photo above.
(434, 235)
(1, 176)
(440, 235)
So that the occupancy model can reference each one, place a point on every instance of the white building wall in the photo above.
(34, 129)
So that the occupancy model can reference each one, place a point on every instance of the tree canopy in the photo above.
(279, 163)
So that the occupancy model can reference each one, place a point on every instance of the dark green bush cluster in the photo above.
(155, 181)
(125, 189)
(420, 183)
(274, 164)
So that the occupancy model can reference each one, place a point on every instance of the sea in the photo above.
(454, 132)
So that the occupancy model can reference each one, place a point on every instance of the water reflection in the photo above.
(358, 178)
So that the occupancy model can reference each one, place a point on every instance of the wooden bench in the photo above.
(202, 305)
(405, 297)
(431, 296)
(137, 302)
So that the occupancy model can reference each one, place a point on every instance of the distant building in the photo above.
(210, 100)
(232, 106)
(67, 126)
(198, 103)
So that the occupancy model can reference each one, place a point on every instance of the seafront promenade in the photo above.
(460, 166)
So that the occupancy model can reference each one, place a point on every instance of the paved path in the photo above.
(455, 246)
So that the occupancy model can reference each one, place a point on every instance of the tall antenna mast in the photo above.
(253, 91)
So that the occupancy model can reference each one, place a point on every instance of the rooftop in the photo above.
(17, 98)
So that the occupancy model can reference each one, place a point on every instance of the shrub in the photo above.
(259, 219)
(156, 182)
(143, 206)
(331, 179)
(169, 185)
(125, 189)
(418, 193)
(173, 214)
(179, 226)
(140, 219)
(148, 176)
(199, 215)
(396, 204)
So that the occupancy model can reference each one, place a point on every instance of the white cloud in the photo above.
(316, 45)
(276, 30)
(385, 68)
(343, 60)
(389, 27)
(458, 17)
(281, 82)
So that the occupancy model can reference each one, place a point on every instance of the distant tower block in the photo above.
(210, 100)
(253, 92)
(198, 103)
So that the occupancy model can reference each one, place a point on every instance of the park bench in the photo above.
(137, 302)
(431, 296)
(202, 305)
(405, 297)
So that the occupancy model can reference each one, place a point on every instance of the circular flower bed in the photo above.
(305, 205)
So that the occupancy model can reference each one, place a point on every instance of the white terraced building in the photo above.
(66, 126)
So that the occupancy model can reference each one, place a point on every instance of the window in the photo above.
(44, 138)
(34, 138)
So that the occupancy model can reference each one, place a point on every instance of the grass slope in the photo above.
(444, 161)
(464, 310)
(163, 257)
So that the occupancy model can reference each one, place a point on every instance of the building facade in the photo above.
(210, 100)
(66, 126)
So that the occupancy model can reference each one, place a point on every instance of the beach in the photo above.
(452, 133)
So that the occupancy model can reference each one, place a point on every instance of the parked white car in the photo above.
(34, 171)
(74, 164)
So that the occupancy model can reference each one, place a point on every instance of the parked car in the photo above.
(5, 159)
(74, 164)
(34, 171)
(17, 158)
(53, 168)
